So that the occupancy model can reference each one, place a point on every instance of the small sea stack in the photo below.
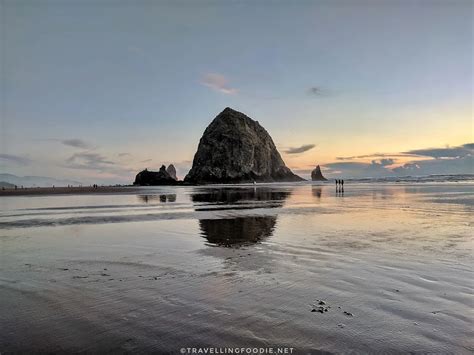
(154, 178)
(316, 174)
(172, 171)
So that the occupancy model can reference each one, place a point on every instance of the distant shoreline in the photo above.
(37, 191)
(66, 190)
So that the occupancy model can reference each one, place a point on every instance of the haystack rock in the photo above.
(316, 175)
(151, 178)
(235, 149)
(172, 171)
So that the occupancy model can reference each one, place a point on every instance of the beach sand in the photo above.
(61, 190)
(164, 268)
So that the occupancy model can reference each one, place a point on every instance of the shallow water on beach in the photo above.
(161, 268)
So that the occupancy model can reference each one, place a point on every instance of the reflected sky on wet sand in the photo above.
(240, 264)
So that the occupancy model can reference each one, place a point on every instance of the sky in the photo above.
(97, 90)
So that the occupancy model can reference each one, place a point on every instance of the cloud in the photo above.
(89, 161)
(123, 154)
(448, 152)
(98, 167)
(429, 161)
(72, 142)
(317, 91)
(375, 155)
(437, 153)
(302, 149)
(76, 143)
(15, 159)
(384, 162)
(219, 83)
(407, 167)
(463, 165)
(357, 169)
(146, 160)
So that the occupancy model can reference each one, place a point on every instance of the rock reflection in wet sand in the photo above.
(317, 191)
(234, 232)
(239, 231)
(232, 195)
(162, 198)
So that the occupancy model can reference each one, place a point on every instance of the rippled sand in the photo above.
(158, 269)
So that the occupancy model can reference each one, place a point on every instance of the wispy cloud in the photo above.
(384, 162)
(89, 161)
(96, 164)
(146, 160)
(99, 167)
(302, 149)
(448, 160)
(219, 83)
(376, 155)
(14, 159)
(447, 152)
(71, 142)
(76, 143)
(460, 165)
(437, 153)
(352, 169)
(317, 91)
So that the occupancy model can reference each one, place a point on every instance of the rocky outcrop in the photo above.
(235, 149)
(316, 174)
(172, 171)
(152, 178)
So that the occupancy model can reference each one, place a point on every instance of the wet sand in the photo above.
(74, 190)
(166, 268)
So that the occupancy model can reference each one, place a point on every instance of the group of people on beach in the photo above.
(339, 184)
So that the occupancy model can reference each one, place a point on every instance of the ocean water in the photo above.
(161, 268)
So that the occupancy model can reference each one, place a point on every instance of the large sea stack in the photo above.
(235, 149)
(316, 174)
